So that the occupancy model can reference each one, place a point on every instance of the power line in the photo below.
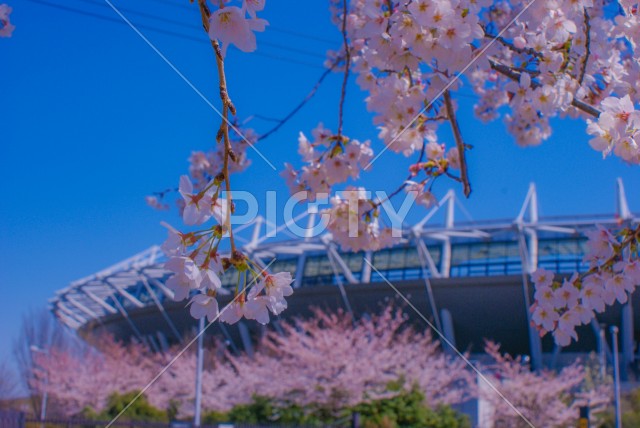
(302, 103)
(271, 27)
(191, 27)
(162, 31)
(280, 122)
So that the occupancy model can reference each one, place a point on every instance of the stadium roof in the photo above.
(487, 248)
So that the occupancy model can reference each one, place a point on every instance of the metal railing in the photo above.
(16, 419)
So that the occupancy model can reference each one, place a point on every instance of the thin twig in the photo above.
(302, 103)
(160, 194)
(404, 183)
(457, 135)
(347, 65)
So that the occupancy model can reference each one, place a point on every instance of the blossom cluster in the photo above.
(560, 58)
(206, 166)
(354, 224)
(438, 164)
(197, 265)
(353, 217)
(203, 166)
(617, 129)
(6, 27)
(561, 306)
(628, 22)
(231, 26)
(401, 52)
(330, 159)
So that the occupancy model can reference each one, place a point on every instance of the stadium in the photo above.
(469, 279)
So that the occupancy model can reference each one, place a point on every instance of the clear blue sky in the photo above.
(92, 120)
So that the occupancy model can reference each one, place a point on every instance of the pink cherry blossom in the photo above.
(197, 208)
(204, 305)
(542, 278)
(6, 28)
(566, 296)
(545, 317)
(257, 308)
(253, 6)
(155, 203)
(421, 194)
(233, 312)
(230, 26)
(180, 285)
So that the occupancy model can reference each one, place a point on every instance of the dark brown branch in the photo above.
(514, 75)
(227, 107)
(508, 44)
(347, 65)
(457, 135)
(587, 24)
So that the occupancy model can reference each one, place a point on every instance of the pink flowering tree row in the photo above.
(327, 362)
(292, 368)
(544, 398)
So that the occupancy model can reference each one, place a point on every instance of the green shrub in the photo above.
(407, 409)
(140, 410)
(630, 412)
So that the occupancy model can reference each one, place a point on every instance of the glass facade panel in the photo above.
(477, 258)
(401, 262)
(285, 265)
(563, 255)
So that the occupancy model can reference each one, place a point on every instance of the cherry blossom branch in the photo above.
(514, 75)
(457, 135)
(347, 61)
(613, 275)
(223, 132)
(587, 31)
(634, 235)
(504, 42)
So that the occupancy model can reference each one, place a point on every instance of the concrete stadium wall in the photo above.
(482, 308)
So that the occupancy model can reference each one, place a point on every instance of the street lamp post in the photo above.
(199, 366)
(43, 405)
(616, 376)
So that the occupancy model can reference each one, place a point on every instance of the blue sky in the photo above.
(92, 120)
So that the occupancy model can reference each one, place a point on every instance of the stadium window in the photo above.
(285, 265)
(381, 260)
